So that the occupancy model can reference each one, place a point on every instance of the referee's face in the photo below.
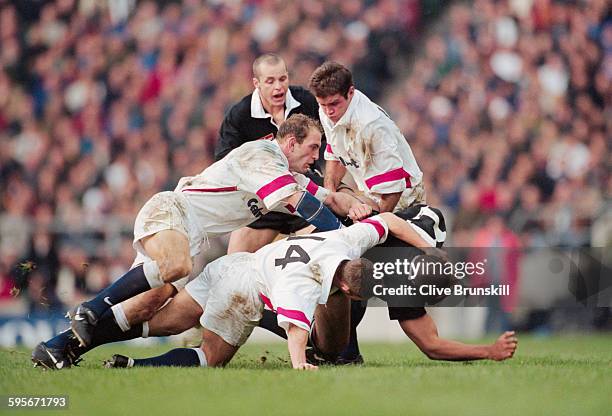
(273, 83)
(301, 156)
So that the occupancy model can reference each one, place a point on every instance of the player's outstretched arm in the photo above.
(347, 205)
(424, 333)
(297, 338)
(402, 230)
(334, 172)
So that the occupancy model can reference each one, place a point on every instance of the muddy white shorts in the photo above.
(166, 211)
(228, 293)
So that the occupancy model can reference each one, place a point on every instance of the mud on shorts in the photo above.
(228, 293)
(166, 211)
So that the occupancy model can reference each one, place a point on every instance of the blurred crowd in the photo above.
(509, 111)
(507, 107)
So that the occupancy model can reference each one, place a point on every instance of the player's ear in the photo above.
(344, 287)
(255, 82)
(350, 93)
(291, 142)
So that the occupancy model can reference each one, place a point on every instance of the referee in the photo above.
(257, 117)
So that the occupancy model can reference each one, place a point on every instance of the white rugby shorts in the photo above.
(228, 293)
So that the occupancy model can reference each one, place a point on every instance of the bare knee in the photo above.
(175, 268)
(217, 352)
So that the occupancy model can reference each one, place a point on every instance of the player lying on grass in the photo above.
(291, 277)
(428, 223)
(253, 179)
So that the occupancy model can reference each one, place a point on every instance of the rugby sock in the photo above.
(357, 312)
(137, 280)
(178, 357)
(269, 321)
(108, 331)
(120, 317)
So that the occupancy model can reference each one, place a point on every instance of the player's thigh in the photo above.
(218, 352)
(170, 249)
(332, 324)
(180, 314)
(250, 240)
(142, 307)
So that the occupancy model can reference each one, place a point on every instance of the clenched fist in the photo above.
(504, 347)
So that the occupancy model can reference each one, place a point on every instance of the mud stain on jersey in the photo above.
(366, 150)
(257, 157)
(315, 268)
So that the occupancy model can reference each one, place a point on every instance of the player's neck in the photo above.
(276, 111)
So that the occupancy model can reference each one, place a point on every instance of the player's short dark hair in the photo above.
(298, 126)
(358, 275)
(329, 79)
(269, 58)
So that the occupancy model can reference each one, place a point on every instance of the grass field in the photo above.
(548, 376)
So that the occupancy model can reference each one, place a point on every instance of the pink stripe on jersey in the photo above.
(328, 149)
(379, 228)
(226, 189)
(392, 175)
(275, 185)
(266, 301)
(312, 187)
(293, 314)
(289, 313)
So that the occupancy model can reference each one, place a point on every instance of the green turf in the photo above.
(548, 376)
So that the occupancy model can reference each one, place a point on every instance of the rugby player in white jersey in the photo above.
(169, 229)
(295, 278)
(363, 140)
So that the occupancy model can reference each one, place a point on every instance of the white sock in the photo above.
(203, 362)
(151, 272)
(120, 317)
(145, 329)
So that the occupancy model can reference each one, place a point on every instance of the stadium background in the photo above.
(506, 105)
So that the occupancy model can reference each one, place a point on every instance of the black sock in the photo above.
(108, 331)
(130, 284)
(178, 357)
(269, 321)
(358, 310)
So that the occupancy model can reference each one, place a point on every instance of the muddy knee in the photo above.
(175, 268)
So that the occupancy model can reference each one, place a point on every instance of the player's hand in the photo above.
(359, 211)
(306, 366)
(504, 347)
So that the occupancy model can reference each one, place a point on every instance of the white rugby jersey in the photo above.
(295, 274)
(249, 182)
(372, 148)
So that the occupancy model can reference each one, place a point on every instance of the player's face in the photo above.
(335, 105)
(273, 83)
(302, 155)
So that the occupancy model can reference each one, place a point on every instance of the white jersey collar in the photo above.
(360, 107)
(258, 110)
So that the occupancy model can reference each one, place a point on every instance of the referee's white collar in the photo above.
(258, 111)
